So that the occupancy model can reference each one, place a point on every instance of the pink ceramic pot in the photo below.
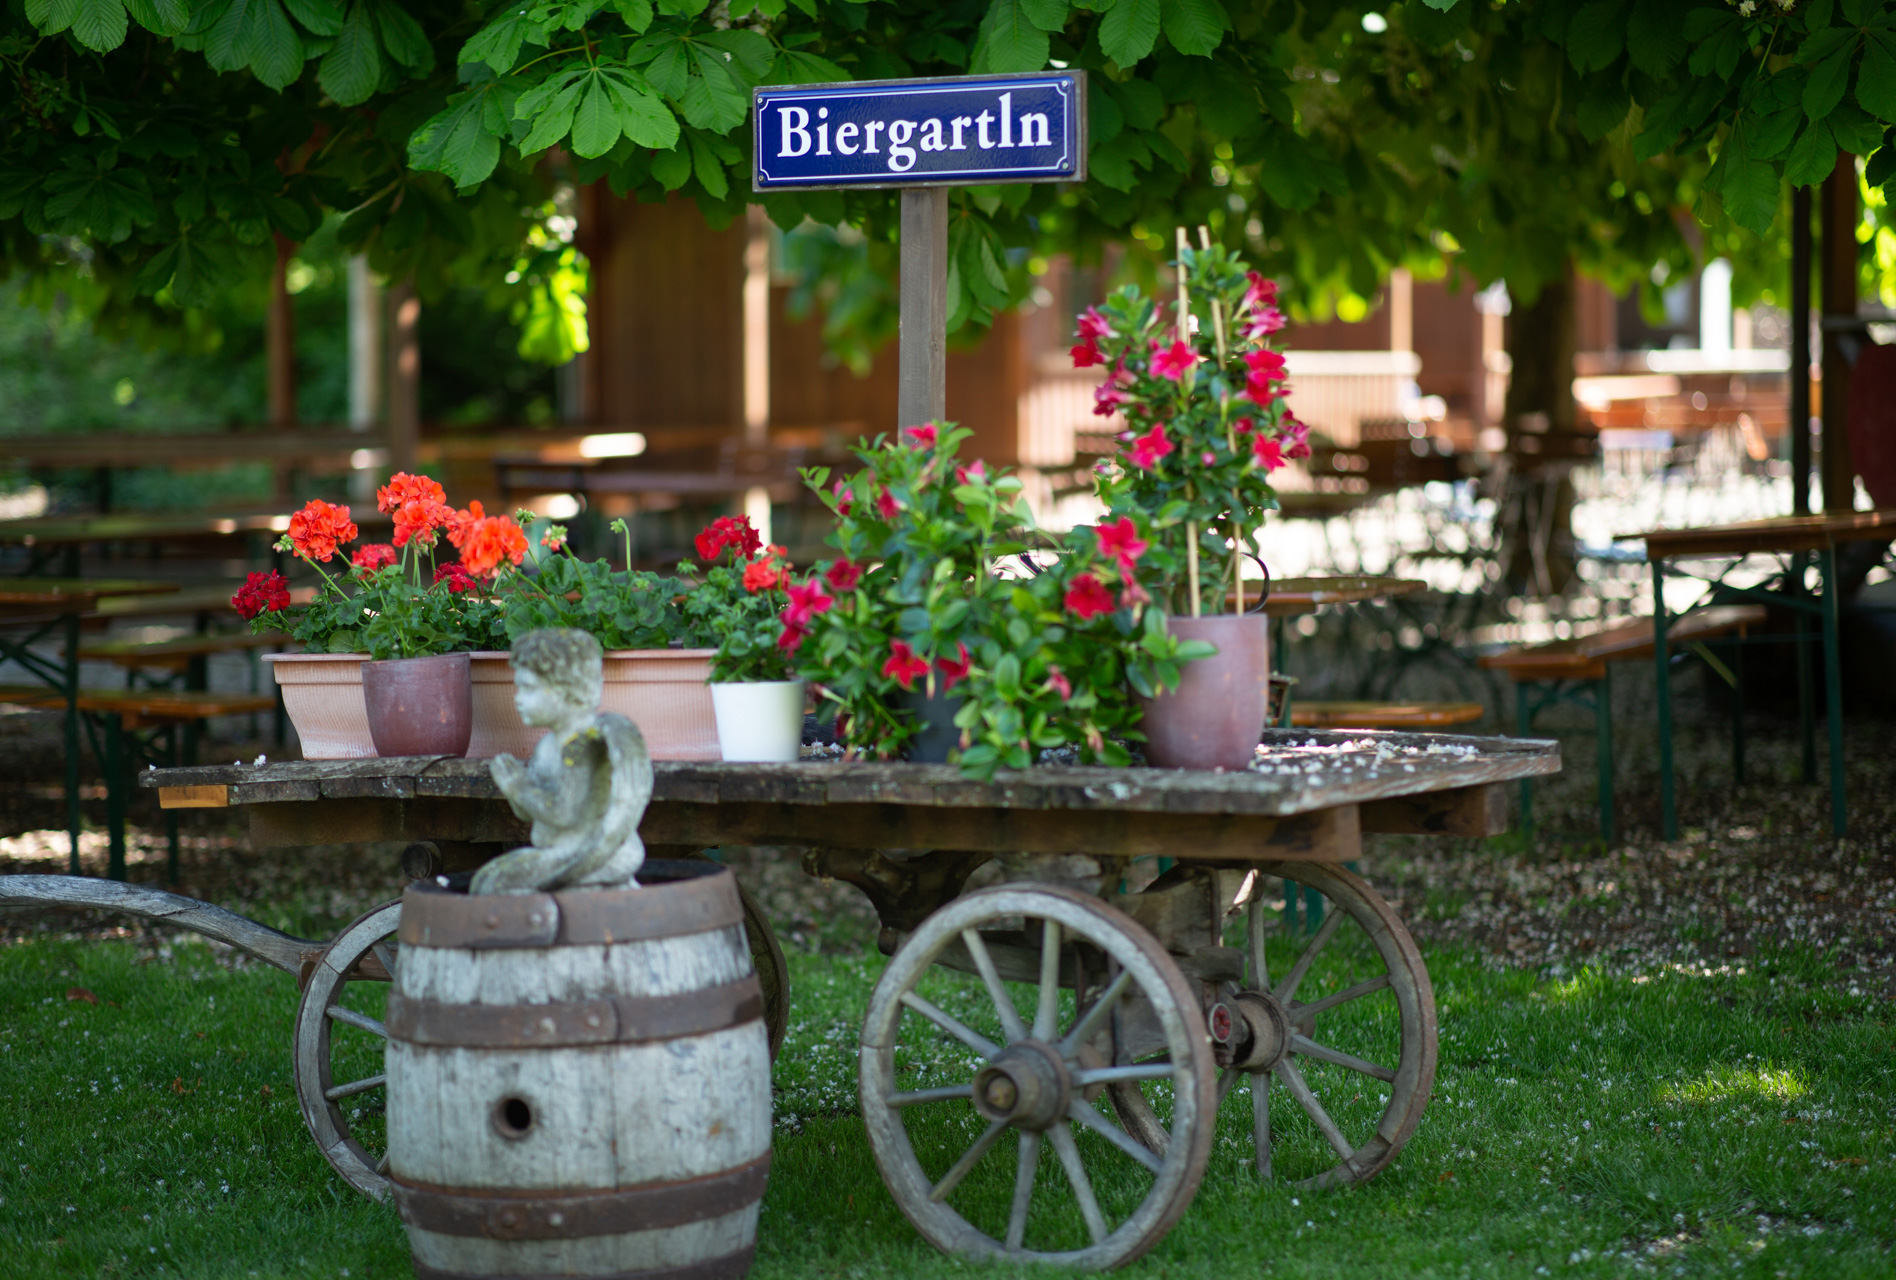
(1218, 713)
(419, 706)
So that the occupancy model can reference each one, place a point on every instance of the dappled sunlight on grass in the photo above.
(1741, 1084)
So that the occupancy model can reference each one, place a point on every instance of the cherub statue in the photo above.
(587, 784)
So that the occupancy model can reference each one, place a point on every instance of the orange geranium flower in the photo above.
(459, 522)
(420, 518)
(488, 541)
(318, 527)
(403, 489)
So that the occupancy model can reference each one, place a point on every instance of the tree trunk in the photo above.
(404, 380)
(1536, 534)
(279, 339)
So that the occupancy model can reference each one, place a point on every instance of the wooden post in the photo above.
(757, 355)
(1838, 277)
(365, 365)
(922, 384)
(280, 340)
(404, 380)
(1800, 351)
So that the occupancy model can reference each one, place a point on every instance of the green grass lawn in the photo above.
(1735, 1123)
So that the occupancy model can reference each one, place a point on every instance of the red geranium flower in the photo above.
(318, 527)
(1269, 454)
(1088, 597)
(261, 593)
(371, 556)
(922, 437)
(729, 531)
(1120, 542)
(761, 575)
(459, 522)
(807, 599)
(419, 518)
(843, 575)
(1174, 362)
(954, 670)
(903, 665)
(403, 488)
(491, 540)
(456, 576)
(1150, 447)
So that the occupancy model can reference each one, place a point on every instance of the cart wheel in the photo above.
(1360, 987)
(941, 1088)
(344, 993)
(773, 973)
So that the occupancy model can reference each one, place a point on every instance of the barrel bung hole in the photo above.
(513, 1117)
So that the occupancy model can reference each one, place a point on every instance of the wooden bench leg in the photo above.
(72, 743)
(1738, 711)
(1524, 725)
(1806, 718)
(171, 815)
(1833, 691)
(1662, 674)
(115, 783)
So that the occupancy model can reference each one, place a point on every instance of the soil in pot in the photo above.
(420, 706)
(1216, 716)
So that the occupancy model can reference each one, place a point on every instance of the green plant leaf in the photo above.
(1812, 157)
(99, 25)
(1597, 35)
(402, 37)
(352, 68)
(749, 51)
(1129, 30)
(1750, 193)
(318, 17)
(1009, 41)
(1876, 78)
(498, 43)
(1048, 15)
(643, 115)
(672, 168)
(637, 13)
(1195, 27)
(595, 120)
(1655, 36)
(713, 99)
(550, 107)
(1828, 79)
(795, 67)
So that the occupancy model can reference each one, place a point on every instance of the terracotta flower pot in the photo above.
(663, 691)
(323, 694)
(1218, 713)
(419, 706)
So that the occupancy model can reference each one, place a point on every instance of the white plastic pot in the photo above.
(759, 721)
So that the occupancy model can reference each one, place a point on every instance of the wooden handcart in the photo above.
(1075, 999)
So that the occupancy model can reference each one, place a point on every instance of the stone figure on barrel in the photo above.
(586, 785)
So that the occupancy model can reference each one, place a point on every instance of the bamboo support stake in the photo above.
(1231, 435)
(1185, 335)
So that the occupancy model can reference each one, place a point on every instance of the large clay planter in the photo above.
(419, 706)
(323, 694)
(663, 691)
(1218, 713)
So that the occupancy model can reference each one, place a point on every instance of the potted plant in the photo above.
(1202, 392)
(387, 639)
(942, 619)
(746, 589)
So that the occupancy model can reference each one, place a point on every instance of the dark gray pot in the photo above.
(939, 735)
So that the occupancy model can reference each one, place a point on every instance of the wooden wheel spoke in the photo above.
(1047, 1012)
(1086, 1076)
(1226, 1082)
(969, 1158)
(1324, 1053)
(339, 1014)
(1300, 1090)
(381, 1166)
(1254, 929)
(1029, 1164)
(1261, 1122)
(1298, 1012)
(1325, 932)
(1088, 1023)
(386, 954)
(916, 1097)
(952, 1025)
(336, 1092)
(1082, 1110)
(1069, 1152)
(1011, 1025)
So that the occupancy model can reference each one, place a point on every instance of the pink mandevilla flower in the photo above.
(974, 473)
(922, 437)
(1120, 542)
(1174, 362)
(1057, 681)
(843, 575)
(807, 599)
(1149, 448)
(1088, 597)
(1269, 454)
(886, 505)
(954, 670)
(904, 666)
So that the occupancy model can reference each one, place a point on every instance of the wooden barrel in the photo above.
(579, 1082)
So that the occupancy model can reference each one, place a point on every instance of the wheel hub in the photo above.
(1269, 1029)
(1026, 1085)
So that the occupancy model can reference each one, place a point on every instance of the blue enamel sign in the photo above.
(966, 130)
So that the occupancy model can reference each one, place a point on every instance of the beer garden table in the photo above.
(1158, 1007)
(1796, 537)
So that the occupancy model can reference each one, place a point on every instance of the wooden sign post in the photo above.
(923, 136)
